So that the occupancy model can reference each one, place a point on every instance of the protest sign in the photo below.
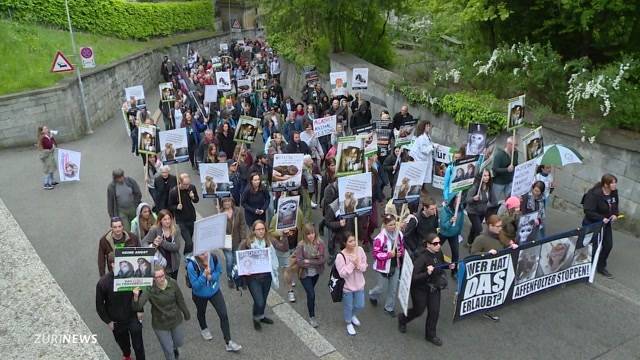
(523, 177)
(69, 165)
(404, 135)
(409, 182)
(253, 261)
(383, 134)
(491, 281)
(324, 126)
(214, 178)
(311, 76)
(370, 144)
(136, 93)
(223, 80)
(167, 92)
(476, 139)
(363, 129)
(224, 47)
(210, 93)
(464, 173)
(287, 213)
(533, 144)
(244, 86)
(287, 172)
(338, 82)
(354, 195)
(515, 112)
(527, 228)
(209, 233)
(350, 156)
(404, 286)
(360, 78)
(487, 160)
(442, 156)
(133, 267)
(260, 82)
(174, 146)
(246, 129)
(147, 139)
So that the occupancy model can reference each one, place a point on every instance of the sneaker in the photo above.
(232, 346)
(291, 296)
(391, 313)
(313, 322)
(176, 353)
(351, 330)
(293, 284)
(606, 273)
(206, 334)
(435, 340)
(47, 187)
(492, 317)
(373, 301)
(55, 183)
(402, 324)
(256, 325)
(266, 320)
(314, 205)
(355, 321)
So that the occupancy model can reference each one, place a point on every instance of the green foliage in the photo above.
(117, 18)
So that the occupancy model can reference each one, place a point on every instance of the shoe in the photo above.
(291, 296)
(435, 340)
(373, 301)
(266, 320)
(232, 346)
(293, 284)
(176, 353)
(47, 187)
(314, 205)
(402, 324)
(257, 325)
(391, 313)
(605, 273)
(313, 322)
(351, 330)
(492, 317)
(206, 334)
(231, 284)
(55, 183)
(126, 357)
(355, 321)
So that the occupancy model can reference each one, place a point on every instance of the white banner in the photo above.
(523, 177)
(324, 126)
(209, 233)
(253, 261)
(69, 165)
(409, 181)
(360, 78)
(174, 146)
(404, 286)
(210, 93)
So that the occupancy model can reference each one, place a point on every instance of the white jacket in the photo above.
(422, 150)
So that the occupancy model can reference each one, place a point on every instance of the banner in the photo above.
(523, 177)
(354, 195)
(515, 112)
(136, 93)
(464, 173)
(338, 82)
(287, 172)
(476, 139)
(287, 213)
(133, 268)
(442, 156)
(350, 156)
(247, 129)
(360, 78)
(324, 126)
(209, 233)
(69, 165)
(404, 135)
(409, 182)
(223, 80)
(384, 139)
(404, 286)
(210, 93)
(147, 139)
(174, 146)
(490, 281)
(244, 86)
(253, 261)
(167, 92)
(533, 144)
(214, 178)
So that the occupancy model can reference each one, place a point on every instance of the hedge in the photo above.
(118, 18)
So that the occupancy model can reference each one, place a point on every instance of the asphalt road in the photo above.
(578, 321)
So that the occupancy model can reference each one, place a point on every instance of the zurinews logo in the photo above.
(65, 339)
(487, 283)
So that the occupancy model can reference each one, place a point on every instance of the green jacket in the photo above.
(167, 306)
(501, 161)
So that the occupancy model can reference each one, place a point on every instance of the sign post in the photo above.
(86, 55)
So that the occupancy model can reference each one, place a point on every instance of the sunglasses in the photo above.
(435, 243)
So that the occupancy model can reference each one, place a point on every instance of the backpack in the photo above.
(197, 268)
(336, 283)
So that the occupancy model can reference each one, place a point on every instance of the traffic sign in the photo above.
(86, 54)
(235, 26)
(61, 64)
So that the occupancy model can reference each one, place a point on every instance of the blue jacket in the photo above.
(200, 286)
(447, 195)
(446, 227)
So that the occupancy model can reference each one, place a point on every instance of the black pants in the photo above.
(309, 285)
(192, 150)
(476, 226)
(129, 333)
(174, 275)
(607, 245)
(423, 298)
(221, 309)
(186, 230)
(453, 245)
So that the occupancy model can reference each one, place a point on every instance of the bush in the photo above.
(117, 18)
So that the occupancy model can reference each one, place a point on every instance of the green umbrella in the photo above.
(559, 155)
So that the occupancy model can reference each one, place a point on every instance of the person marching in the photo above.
(310, 260)
(181, 205)
(351, 264)
(165, 236)
(388, 249)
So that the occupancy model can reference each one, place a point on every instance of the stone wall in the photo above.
(60, 108)
(616, 152)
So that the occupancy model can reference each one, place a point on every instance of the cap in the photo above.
(231, 162)
(512, 202)
(222, 153)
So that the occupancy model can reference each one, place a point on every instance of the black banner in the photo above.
(489, 281)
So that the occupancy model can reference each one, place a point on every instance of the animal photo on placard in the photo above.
(287, 212)
(476, 139)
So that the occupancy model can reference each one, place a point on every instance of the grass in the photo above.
(29, 50)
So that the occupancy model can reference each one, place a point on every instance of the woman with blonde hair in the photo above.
(212, 154)
(165, 236)
(47, 146)
(310, 263)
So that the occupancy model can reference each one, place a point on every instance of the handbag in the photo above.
(336, 283)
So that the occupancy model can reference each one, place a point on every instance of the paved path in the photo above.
(576, 322)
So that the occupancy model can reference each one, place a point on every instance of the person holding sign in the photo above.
(451, 221)
(479, 200)
(115, 238)
(426, 283)
(47, 145)
(181, 204)
(351, 264)
(422, 150)
(504, 163)
(388, 249)
(260, 284)
(235, 232)
(204, 272)
(255, 200)
(165, 236)
(168, 310)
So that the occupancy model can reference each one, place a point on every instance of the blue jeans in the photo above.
(48, 179)
(309, 285)
(259, 286)
(501, 192)
(391, 291)
(352, 304)
(229, 260)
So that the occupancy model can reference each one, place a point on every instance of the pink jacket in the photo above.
(381, 253)
(353, 277)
